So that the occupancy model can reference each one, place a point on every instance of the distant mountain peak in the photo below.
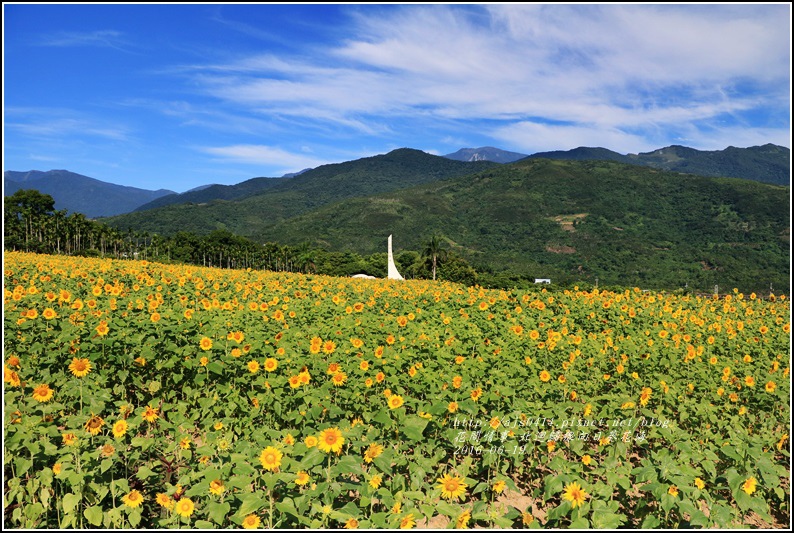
(80, 194)
(485, 153)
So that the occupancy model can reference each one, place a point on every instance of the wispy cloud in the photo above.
(605, 70)
(62, 124)
(264, 155)
(101, 38)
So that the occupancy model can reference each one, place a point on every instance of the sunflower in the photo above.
(770, 386)
(499, 486)
(94, 424)
(331, 440)
(672, 491)
(545, 376)
(69, 439)
(462, 522)
(476, 394)
(452, 407)
(11, 377)
(205, 344)
(452, 488)
(749, 381)
(107, 450)
(42, 393)
(750, 485)
(295, 382)
(351, 524)
(251, 522)
(133, 499)
(457, 381)
(216, 487)
(49, 313)
(574, 494)
(270, 365)
(310, 441)
(80, 367)
(56, 468)
(372, 452)
(699, 483)
(395, 401)
(184, 507)
(102, 329)
(253, 367)
(270, 458)
(339, 379)
(164, 500)
(150, 414)
(645, 395)
(408, 521)
(302, 478)
(329, 347)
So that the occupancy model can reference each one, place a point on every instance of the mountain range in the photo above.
(80, 194)
(77, 193)
(768, 163)
(579, 214)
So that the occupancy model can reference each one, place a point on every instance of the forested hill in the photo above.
(309, 190)
(768, 163)
(624, 224)
(214, 192)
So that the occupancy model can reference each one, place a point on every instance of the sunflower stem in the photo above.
(270, 514)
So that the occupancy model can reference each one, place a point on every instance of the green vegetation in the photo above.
(573, 221)
(312, 189)
(576, 222)
(768, 163)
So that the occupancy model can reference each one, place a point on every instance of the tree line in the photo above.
(32, 224)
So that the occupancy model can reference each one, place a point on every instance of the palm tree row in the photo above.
(32, 224)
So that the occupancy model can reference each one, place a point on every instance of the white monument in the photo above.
(392, 268)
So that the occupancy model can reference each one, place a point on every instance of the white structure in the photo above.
(363, 276)
(392, 268)
(543, 280)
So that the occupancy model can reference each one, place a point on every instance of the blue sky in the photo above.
(177, 96)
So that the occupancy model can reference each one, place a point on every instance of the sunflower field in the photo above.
(142, 395)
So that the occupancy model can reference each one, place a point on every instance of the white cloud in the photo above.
(268, 156)
(61, 124)
(101, 38)
(530, 137)
(607, 68)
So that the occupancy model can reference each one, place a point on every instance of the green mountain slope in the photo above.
(567, 220)
(310, 190)
(768, 163)
(216, 192)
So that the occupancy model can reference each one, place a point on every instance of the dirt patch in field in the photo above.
(567, 222)
(562, 249)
